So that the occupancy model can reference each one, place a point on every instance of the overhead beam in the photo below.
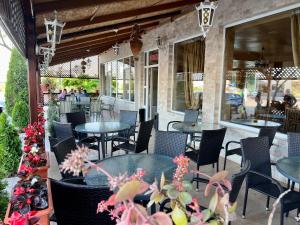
(76, 42)
(45, 7)
(109, 41)
(246, 56)
(115, 26)
(125, 14)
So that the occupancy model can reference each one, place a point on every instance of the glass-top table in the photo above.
(101, 128)
(290, 168)
(152, 164)
(186, 127)
(256, 123)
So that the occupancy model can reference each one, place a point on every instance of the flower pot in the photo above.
(43, 215)
(40, 171)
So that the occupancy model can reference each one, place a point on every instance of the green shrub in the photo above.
(16, 87)
(3, 198)
(52, 115)
(10, 147)
(20, 115)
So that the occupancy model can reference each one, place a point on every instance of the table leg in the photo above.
(102, 140)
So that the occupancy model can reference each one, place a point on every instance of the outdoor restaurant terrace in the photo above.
(146, 112)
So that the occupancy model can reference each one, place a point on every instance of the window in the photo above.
(120, 78)
(262, 72)
(188, 74)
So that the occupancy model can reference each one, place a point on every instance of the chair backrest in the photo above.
(128, 117)
(269, 132)
(76, 204)
(293, 144)
(237, 181)
(95, 106)
(62, 130)
(85, 99)
(169, 143)
(210, 146)
(76, 118)
(144, 136)
(62, 149)
(191, 116)
(71, 98)
(256, 150)
(65, 107)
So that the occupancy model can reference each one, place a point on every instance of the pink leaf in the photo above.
(162, 218)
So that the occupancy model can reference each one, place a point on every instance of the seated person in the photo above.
(84, 94)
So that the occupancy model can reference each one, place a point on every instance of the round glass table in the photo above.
(290, 168)
(101, 128)
(189, 128)
(256, 123)
(152, 164)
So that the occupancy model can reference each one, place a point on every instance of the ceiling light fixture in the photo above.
(206, 12)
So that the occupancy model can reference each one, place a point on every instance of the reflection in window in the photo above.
(262, 72)
(188, 76)
(119, 78)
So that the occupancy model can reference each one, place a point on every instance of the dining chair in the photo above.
(62, 149)
(269, 132)
(95, 110)
(75, 203)
(293, 149)
(169, 143)
(209, 149)
(65, 107)
(190, 116)
(259, 178)
(140, 145)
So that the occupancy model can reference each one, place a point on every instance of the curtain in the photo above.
(193, 62)
(295, 28)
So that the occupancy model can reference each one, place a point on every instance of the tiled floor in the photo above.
(256, 213)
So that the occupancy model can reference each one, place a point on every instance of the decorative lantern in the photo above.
(116, 48)
(54, 30)
(135, 41)
(83, 66)
(206, 11)
(47, 54)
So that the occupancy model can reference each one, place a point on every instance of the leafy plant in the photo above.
(10, 147)
(3, 196)
(88, 84)
(53, 115)
(16, 87)
(20, 114)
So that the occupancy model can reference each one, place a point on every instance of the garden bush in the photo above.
(52, 115)
(16, 87)
(3, 197)
(10, 147)
(20, 114)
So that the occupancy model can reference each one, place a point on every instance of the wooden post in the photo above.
(32, 60)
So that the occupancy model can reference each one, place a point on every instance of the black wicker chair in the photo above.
(62, 130)
(293, 149)
(76, 204)
(76, 118)
(140, 145)
(129, 117)
(190, 116)
(169, 143)
(269, 132)
(62, 149)
(209, 149)
(256, 150)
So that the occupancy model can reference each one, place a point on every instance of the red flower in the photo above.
(28, 201)
(27, 148)
(19, 191)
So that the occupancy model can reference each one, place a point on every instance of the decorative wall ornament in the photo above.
(135, 41)
(206, 12)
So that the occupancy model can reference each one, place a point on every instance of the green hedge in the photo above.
(20, 115)
(10, 147)
(16, 87)
(3, 197)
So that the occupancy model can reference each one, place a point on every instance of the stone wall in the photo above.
(186, 27)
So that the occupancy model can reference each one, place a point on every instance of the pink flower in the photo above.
(182, 169)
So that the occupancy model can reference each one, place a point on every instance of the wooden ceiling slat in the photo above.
(109, 41)
(125, 14)
(91, 39)
(115, 26)
(69, 4)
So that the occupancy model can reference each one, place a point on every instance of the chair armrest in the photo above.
(280, 188)
(171, 123)
(231, 142)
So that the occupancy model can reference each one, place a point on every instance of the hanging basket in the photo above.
(136, 46)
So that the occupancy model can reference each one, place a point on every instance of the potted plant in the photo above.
(31, 199)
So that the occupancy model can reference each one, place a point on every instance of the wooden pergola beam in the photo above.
(125, 14)
(45, 7)
(96, 44)
(102, 36)
(115, 26)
